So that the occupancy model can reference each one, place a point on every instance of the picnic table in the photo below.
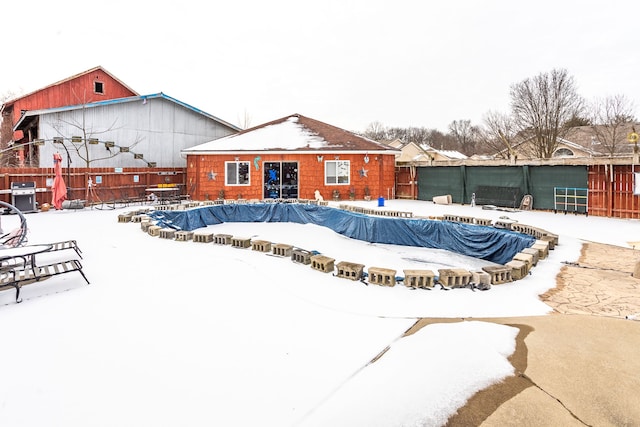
(163, 194)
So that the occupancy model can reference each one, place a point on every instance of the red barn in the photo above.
(93, 85)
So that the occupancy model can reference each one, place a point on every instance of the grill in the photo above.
(23, 196)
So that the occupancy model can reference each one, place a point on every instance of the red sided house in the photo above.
(90, 86)
(290, 158)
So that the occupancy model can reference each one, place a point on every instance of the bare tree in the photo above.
(612, 118)
(465, 135)
(541, 105)
(577, 121)
(419, 135)
(376, 131)
(440, 141)
(397, 133)
(498, 135)
(9, 94)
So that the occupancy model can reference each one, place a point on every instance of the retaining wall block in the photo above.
(183, 235)
(499, 274)
(482, 221)
(519, 269)
(301, 256)
(350, 270)
(125, 217)
(454, 277)
(261, 245)
(154, 230)
(481, 277)
(419, 278)
(526, 258)
(222, 239)
(282, 249)
(241, 242)
(534, 253)
(322, 263)
(382, 276)
(202, 237)
(542, 247)
(167, 233)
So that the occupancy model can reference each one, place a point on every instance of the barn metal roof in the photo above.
(139, 98)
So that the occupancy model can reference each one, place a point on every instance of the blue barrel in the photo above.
(380, 201)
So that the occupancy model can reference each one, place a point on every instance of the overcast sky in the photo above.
(345, 62)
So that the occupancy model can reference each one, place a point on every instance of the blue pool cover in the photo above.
(483, 242)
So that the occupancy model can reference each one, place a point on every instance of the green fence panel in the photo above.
(496, 185)
(499, 185)
(546, 178)
(439, 181)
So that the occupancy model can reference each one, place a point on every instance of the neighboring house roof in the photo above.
(413, 152)
(410, 152)
(447, 154)
(92, 70)
(292, 133)
(397, 143)
(140, 98)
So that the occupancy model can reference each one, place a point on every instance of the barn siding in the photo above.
(158, 129)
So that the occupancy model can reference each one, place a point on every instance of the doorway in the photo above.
(280, 180)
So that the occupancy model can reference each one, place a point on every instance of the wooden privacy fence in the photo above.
(95, 185)
(610, 187)
(611, 191)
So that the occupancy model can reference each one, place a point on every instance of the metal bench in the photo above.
(66, 244)
(18, 277)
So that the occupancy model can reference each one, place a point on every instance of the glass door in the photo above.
(289, 180)
(280, 180)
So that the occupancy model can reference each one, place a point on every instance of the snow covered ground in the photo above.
(183, 333)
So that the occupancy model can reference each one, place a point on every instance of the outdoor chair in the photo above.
(18, 236)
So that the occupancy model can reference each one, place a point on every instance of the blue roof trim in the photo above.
(124, 101)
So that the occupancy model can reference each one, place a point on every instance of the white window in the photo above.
(337, 172)
(563, 152)
(236, 173)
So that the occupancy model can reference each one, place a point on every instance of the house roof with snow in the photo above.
(444, 154)
(412, 152)
(292, 133)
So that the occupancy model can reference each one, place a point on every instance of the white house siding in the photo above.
(158, 129)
